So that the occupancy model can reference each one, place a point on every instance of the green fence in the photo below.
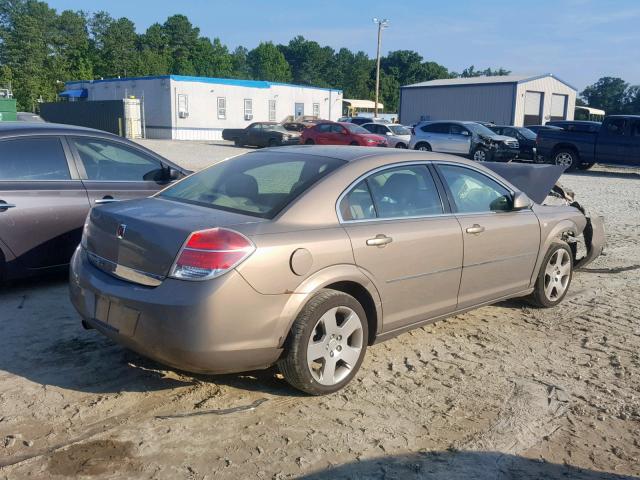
(7, 110)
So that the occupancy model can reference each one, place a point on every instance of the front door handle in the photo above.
(379, 240)
(5, 206)
(475, 228)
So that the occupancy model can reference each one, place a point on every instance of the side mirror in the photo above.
(465, 133)
(521, 201)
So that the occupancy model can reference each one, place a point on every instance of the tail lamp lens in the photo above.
(210, 253)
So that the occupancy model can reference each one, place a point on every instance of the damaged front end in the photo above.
(593, 234)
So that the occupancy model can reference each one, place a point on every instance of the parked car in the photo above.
(576, 125)
(305, 256)
(362, 120)
(616, 142)
(261, 134)
(51, 175)
(464, 138)
(341, 133)
(536, 128)
(526, 139)
(398, 136)
(295, 126)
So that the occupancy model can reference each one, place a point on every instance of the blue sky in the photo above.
(577, 40)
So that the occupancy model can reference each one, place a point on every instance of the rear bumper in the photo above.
(216, 326)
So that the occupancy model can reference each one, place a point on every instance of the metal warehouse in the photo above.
(199, 108)
(504, 100)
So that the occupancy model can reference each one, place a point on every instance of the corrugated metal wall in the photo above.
(489, 103)
(106, 115)
(547, 86)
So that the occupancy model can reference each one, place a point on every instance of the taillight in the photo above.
(210, 253)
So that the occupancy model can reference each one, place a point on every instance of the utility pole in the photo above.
(384, 23)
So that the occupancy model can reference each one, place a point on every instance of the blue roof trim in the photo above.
(219, 81)
(74, 93)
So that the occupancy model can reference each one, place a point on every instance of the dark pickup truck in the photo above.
(616, 142)
(261, 134)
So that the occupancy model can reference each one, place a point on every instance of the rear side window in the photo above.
(393, 193)
(33, 159)
(436, 128)
(256, 184)
(635, 129)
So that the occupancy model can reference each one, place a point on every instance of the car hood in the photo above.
(534, 180)
(499, 138)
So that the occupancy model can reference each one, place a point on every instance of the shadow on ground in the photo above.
(42, 340)
(621, 174)
(460, 466)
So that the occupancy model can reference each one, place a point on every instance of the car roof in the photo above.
(41, 128)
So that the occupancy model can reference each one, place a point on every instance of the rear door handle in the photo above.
(6, 206)
(379, 240)
(102, 201)
(475, 228)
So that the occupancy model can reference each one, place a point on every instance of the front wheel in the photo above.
(354, 144)
(273, 142)
(554, 277)
(423, 147)
(567, 158)
(480, 155)
(400, 145)
(238, 143)
(326, 344)
(309, 142)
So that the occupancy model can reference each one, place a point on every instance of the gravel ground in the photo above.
(503, 392)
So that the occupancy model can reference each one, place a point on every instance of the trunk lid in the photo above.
(146, 234)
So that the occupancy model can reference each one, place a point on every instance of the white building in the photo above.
(504, 100)
(199, 108)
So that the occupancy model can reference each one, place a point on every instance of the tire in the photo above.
(480, 155)
(567, 157)
(273, 142)
(354, 144)
(238, 143)
(401, 145)
(309, 142)
(554, 277)
(585, 166)
(320, 324)
(423, 146)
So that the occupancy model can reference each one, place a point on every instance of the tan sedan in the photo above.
(304, 256)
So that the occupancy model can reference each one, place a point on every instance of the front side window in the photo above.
(435, 128)
(407, 191)
(324, 127)
(33, 159)
(110, 161)
(458, 130)
(257, 184)
(616, 126)
(222, 108)
(272, 110)
(474, 192)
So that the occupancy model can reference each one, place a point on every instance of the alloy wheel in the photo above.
(565, 159)
(479, 155)
(557, 274)
(335, 345)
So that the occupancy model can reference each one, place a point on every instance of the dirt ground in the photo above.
(504, 392)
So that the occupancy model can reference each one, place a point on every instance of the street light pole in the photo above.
(384, 23)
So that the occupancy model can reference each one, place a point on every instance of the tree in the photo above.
(266, 62)
(182, 43)
(487, 72)
(119, 55)
(71, 46)
(212, 59)
(310, 63)
(608, 93)
(239, 64)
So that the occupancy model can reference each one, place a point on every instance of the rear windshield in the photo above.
(353, 128)
(399, 129)
(257, 184)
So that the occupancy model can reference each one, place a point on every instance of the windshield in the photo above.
(276, 128)
(258, 184)
(399, 129)
(480, 129)
(353, 128)
(528, 134)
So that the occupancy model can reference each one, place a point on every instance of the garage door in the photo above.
(558, 107)
(532, 108)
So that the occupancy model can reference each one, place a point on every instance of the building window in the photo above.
(248, 109)
(183, 105)
(272, 110)
(316, 110)
(222, 108)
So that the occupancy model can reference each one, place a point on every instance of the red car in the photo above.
(338, 133)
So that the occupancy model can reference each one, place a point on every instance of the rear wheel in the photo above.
(400, 145)
(567, 158)
(354, 144)
(585, 166)
(309, 142)
(326, 344)
(423, 146)
(238, 143)
(554, 277)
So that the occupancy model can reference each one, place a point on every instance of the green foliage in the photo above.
(613, 95)
(40, 49)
